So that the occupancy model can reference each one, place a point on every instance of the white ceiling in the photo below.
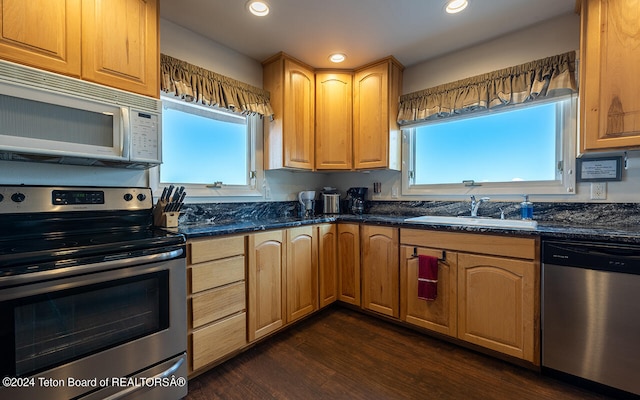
(366, 30)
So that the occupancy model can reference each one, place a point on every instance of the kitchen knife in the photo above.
(164, 193)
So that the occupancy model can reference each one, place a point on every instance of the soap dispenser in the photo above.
(526, 208)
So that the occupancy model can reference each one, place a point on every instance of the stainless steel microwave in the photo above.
(49, 117)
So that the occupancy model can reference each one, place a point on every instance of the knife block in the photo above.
(164, 219)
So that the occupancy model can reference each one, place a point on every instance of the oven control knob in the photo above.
(142, 197)
(128, 197)
(1, 197)
(18, 197)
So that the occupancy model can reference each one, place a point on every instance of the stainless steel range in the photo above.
(92, 297)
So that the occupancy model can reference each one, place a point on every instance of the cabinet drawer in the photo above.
(212, 249)
(217, 303)
(212, 274)
(506, 246)
(217, 340)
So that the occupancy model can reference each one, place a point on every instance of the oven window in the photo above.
(52, 329)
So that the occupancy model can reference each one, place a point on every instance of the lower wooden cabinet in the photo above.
(490, 300)
(302, 272)
(439, 315)
(327, 264)
(497, 304)
(216, 300)
(267, 257)
(349, 263)
(380, 270)
(219, 339)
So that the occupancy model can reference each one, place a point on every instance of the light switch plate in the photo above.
(598, 190)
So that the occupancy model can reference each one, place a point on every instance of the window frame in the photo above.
(204, 191)
(565, 183)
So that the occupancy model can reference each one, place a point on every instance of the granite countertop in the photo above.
(546, 229)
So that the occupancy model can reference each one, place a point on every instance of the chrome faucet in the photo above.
(475, 204)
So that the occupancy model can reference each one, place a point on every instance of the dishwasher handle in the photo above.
(623, 258)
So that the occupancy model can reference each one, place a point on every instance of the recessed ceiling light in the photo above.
(337, 57)
(259, 8)
(455, 6)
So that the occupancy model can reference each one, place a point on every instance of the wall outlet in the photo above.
(598, 190)
(394, 192)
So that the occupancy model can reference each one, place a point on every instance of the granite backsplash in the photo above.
(612, 215)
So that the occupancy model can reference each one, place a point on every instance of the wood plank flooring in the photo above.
(343, 354)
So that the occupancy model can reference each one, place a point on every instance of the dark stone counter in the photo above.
(609, 222)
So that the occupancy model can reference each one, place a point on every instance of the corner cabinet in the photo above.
(380, 270)
(376, 134)
(488, 289)
(114, 43)
(327, 264)
(289, 138)
(334, 138)
(609, 82)
(349, 264)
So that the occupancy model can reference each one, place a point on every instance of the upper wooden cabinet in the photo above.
(609, 82)
(114, 42)
(334, 138)
(42, 33)
(376, 134)
(289, 137)
(120, 44)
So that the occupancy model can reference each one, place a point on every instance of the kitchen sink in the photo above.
(474, 221)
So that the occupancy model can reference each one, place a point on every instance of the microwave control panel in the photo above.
(145, 137)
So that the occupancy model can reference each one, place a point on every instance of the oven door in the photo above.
(71, 337)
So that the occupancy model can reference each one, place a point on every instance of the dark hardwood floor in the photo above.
(343, 354)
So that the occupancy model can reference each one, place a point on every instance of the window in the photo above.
(209, 151)
(522, 149)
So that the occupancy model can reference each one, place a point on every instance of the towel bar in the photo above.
(443, 258)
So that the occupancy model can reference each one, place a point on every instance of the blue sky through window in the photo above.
(199, 150)
(514, 145)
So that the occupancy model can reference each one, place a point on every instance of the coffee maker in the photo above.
(307, 199)
(357, 196)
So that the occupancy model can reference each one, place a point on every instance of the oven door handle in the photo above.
(161, 375)
(115, 263)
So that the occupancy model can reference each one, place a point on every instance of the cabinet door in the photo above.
(380, 270)
(334, 149)
(349, 263)
(120, 44)
(496, 304)
(267, 256)
(327, 264)
(42, 33)
(439, 315)
(302, 272)
(298, 115)
(610, 105)
(376, 135)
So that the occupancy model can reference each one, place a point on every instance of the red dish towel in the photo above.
(427, 277)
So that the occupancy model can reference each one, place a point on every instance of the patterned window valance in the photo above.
(195, 84)
(551, 76)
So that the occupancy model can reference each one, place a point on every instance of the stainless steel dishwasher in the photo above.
(591, 312)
